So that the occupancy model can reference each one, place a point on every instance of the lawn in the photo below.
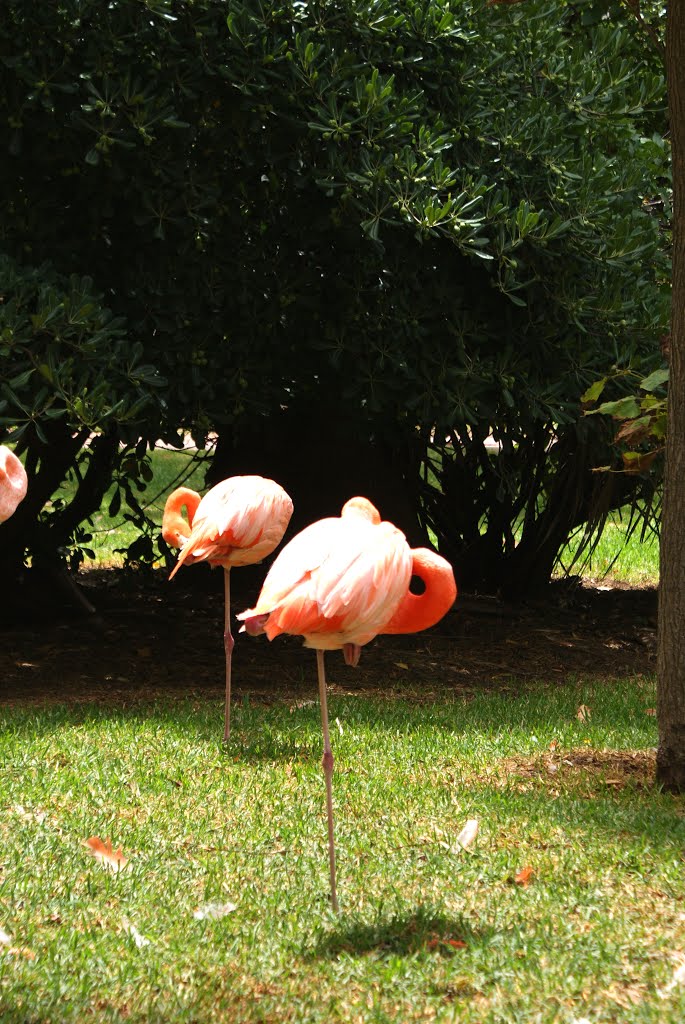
(567, 907)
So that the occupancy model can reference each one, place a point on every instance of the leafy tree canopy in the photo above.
(425, 215)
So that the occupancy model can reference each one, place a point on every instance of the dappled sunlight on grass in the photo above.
(567, 905)
(618, 557)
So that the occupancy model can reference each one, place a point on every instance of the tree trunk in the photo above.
(671, 636)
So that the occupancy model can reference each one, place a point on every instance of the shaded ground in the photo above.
(152, 638)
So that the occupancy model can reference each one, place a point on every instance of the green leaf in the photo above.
(622, 409)
(655, 380)
(594, 391)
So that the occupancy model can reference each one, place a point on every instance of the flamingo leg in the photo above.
(228, 650)
(328, 773)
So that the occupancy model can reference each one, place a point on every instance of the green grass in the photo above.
(620, 556)
(427, 931)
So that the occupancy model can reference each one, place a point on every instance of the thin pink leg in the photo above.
(228, 649)
(328, 773)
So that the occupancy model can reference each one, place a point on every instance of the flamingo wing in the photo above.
(339, 576)
(239, 521)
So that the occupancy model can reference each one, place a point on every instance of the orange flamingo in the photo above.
(238, 522)
(339, 583)
(13, 483)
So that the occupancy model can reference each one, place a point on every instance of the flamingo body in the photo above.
(238, 522)
(13, 483)
(339, 583)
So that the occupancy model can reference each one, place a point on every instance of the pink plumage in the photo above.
(337, 582)
(13, 483)
(238, 522)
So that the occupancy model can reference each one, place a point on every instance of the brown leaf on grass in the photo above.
(24, 951)
(436, 941)
(468, 834)
(554, 744)
(523, 877)
(113, 860)
(5, 947)
(584, 713)
(650, 711)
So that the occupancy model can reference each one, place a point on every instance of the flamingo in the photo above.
(339, 583)
(238, 522)
(13, 483)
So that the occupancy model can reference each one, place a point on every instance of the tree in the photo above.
(671, 632)
(392, 233)
(75, 393)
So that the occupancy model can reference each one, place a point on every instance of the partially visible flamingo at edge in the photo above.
(13, 483)
(341, 582)
(238, 522)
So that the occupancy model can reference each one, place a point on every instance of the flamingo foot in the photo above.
(254, 625)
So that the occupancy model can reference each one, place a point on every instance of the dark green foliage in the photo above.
(76, 395)
(425, 220)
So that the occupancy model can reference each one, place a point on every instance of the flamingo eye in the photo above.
(416, 586)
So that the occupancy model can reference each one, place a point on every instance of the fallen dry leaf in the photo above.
(24, 951)
(401, 664)
(584, 713)
(436, 941)
(650, 711)
(553, 745)
(523, 877)
(468, 834)
(113, 860)
(5, 947)
(677, 979)
(131, 930)
(213, 911)
(38, 816)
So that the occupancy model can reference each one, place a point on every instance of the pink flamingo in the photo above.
(238, 522)
(13, 483)
(339, 583)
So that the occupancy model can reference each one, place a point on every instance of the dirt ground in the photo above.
(151, 637)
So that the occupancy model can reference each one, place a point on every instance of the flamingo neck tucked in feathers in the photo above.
(176, 529)
(420, 611)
